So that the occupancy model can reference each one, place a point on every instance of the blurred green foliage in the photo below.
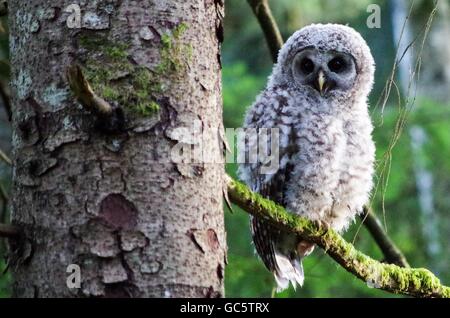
(5, 281)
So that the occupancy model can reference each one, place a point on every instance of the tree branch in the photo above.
(391, 252)
(6, 101)
(9, 231)
(274, 40)
(110, 117)
(265, 18)
(84, 93)
(4, 157)
(5, 199)
(418, 282)
(3, 8)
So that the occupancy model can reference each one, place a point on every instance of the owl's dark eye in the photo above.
(338, 64)
(306, 65)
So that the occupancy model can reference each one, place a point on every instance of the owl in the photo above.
(316, 101)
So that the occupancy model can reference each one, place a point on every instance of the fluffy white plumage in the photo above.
(326, 149)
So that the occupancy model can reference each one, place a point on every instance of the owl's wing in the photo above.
(267, 238)
(270, 242)
(264, 115)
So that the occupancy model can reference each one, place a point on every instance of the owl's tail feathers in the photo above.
(288, 269)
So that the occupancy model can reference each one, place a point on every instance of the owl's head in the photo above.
(330, 60)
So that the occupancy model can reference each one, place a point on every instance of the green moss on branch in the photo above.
(418, 282)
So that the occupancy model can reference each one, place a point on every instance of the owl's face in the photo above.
(330, 60)
(324, 71)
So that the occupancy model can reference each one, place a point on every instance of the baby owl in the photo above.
(316, 97)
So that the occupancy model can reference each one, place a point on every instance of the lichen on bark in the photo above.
(113, 75)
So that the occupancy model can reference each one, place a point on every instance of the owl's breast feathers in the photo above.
(325, 158)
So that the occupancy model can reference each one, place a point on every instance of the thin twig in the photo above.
(418, 282)
(274, 40)
(5, 158)
(5, 199)
(391, 252)
(265, 18)
(84, 93)
(110, 118)
(9, 231)
(6, 101)
(3, 8)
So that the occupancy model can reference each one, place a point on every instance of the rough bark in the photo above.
(109, 199)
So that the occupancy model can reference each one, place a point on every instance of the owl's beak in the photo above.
(323, 83)
(321, 80)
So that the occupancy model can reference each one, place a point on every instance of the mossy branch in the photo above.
(418, 282)
(263, 13)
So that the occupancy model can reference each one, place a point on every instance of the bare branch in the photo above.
(9, 231)
(110, 117)
(6, 101)
(5, 158)
(418, 282)
(3, 8)
(84, 93)
(5, 199)
(273, 36)
(391, 252)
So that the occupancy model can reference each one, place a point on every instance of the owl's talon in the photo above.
(305, 248)
(325, 226)
(320, 223)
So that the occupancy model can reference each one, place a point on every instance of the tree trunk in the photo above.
(111, 199)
